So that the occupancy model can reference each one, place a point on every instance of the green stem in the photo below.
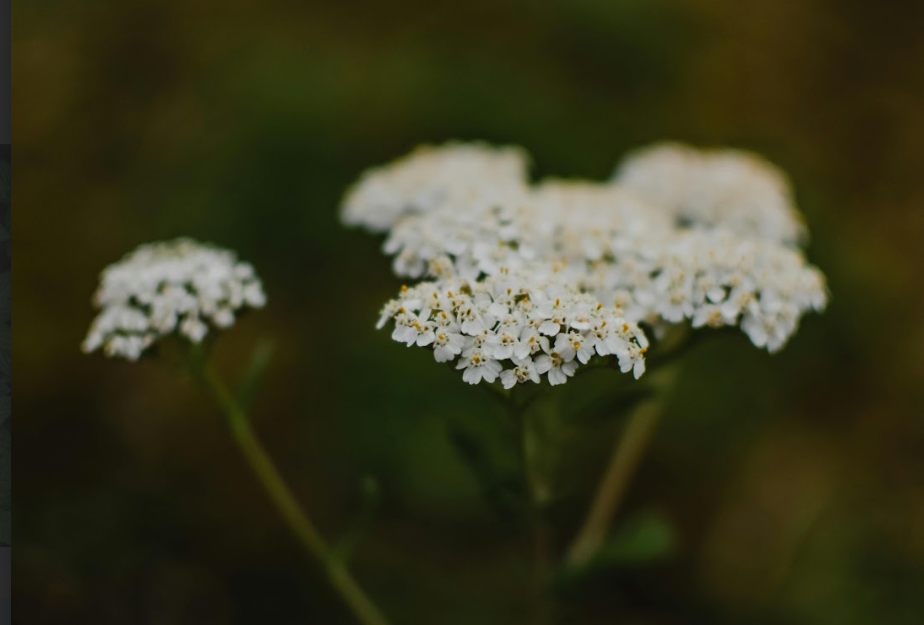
(339, 576)
(623, 462)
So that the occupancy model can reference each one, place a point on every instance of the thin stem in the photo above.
(340, 578)
(622, 465)
(627, 453)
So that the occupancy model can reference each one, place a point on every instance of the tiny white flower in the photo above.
(502, 346)
(388, 312)
(447, 345)
(558, 370)
(523, 372)
(631, 359)
(193, 328)
(479, 367)
(530, 343)
(411, 328)
(574, 345)
(709, 315)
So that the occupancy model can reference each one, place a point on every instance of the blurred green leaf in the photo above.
(643, 538)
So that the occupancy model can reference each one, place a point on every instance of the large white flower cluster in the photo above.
(179, 286)
(725, 257)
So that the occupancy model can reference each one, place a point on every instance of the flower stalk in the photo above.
(541, 535)
(627, 453)
(288, 507)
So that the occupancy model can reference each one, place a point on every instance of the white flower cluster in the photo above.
(733, 189)
(177, 286)
(464, 177)
(715, 278)
(533, 326)
(725, 257)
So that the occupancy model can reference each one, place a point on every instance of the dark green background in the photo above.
(794, 483)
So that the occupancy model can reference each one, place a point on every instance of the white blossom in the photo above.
(491, 327)
(556, 366)
(467, 176)
(178, 286)
(735, 189)
(525, 371)
(542, 278)
(478, 366)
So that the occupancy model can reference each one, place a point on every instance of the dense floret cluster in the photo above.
(678, 236)
(513, 327)
(179, 286)
(733, 189)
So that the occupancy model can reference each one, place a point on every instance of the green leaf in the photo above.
(641, 539)
(256, 370)
(644, 538)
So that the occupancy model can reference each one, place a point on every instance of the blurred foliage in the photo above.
(793, 484)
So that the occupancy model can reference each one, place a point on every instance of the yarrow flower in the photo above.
(532, 280)
(514, 327)
(467, 176)
(737, 190)
(181, 286)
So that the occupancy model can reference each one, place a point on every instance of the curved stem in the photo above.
(624, 460)
(340, 578)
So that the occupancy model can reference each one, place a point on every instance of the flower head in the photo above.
(179, 286)
(734, 189)
(514, 326)
(464, 175)
(541, 278)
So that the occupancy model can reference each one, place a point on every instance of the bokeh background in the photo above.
(791, 487)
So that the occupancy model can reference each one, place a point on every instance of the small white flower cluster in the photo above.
(464, 177)
(533, 326)
(177, 286)
(734, 189)
(724, 256)
(713, 278)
